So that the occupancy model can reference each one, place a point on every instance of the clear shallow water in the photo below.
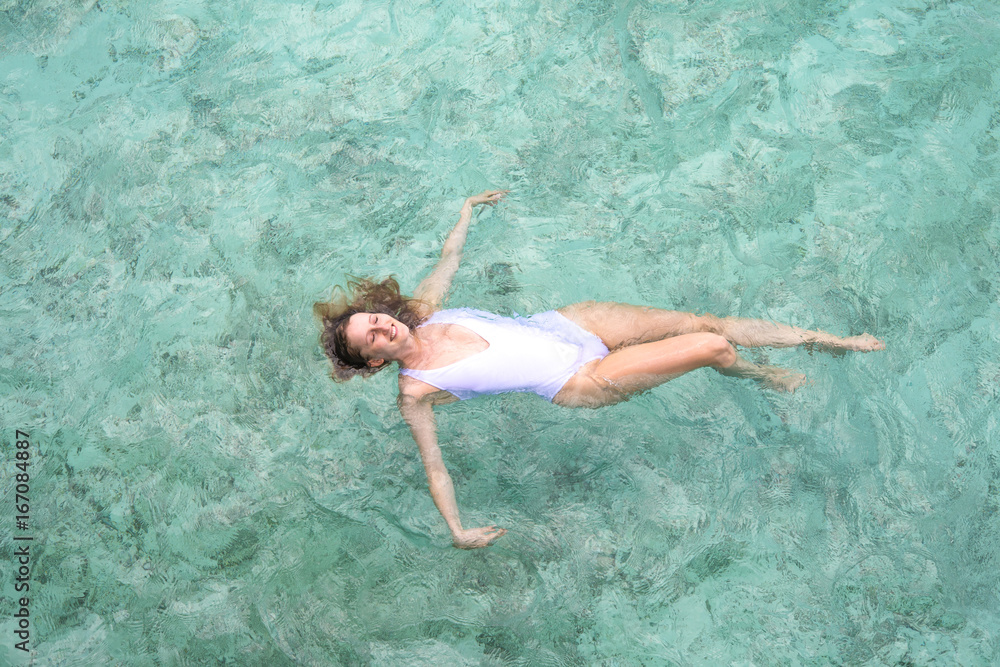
(181, 180)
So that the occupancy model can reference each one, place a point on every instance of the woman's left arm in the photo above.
(418, 414)
(434, 287)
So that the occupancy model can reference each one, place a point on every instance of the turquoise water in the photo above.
(179, 181)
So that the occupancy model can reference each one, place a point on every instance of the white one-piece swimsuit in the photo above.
(535, 354)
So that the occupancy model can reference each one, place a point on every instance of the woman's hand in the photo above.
(490, 197)
(474, 538)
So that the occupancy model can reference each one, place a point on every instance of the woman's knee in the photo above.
(708, 323)
(720, 351)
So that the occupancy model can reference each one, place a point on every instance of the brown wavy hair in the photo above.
(366, 296)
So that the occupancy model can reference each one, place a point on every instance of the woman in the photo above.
(583, 355)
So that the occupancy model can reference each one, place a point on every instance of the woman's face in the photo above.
(377, 336)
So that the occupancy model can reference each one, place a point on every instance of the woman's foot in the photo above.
(772, 377)
(781, 379)
(862, 343)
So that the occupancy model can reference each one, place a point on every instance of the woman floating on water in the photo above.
(584, 355)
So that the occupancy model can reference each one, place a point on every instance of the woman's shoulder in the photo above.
(412, 389)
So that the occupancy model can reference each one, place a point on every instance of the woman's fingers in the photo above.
(497, 196)
(494, 533)
(476, 538)
(491, 197)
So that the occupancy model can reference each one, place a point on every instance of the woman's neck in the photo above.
(418, 352)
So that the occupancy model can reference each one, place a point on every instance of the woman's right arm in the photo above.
(434, 287)
(418, 413)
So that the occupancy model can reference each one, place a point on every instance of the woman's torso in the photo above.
(449, 343)
(481, 353)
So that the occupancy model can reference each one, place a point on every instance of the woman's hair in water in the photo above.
(367, 296)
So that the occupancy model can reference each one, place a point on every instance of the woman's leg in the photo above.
(620, 325)
(636, 368)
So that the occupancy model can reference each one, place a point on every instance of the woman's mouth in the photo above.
(392, 332)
